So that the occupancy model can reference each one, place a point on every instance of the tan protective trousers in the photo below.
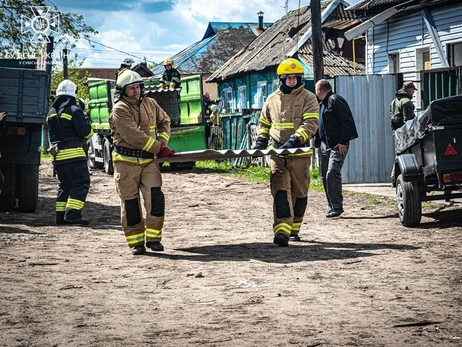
(130, 179)
(289, 182)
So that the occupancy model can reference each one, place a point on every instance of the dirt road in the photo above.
(359, 280)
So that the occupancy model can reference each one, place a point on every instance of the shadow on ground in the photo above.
(296, 252)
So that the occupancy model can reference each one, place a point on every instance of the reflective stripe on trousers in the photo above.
(130, 180)
(289, 182)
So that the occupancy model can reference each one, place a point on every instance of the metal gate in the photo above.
(371, 155)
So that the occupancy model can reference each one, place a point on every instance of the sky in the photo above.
(153, 30)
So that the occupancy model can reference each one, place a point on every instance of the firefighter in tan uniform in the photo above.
(141, 130)
(289, 119)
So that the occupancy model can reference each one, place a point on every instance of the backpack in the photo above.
(396, 116)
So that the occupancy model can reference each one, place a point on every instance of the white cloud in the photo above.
(143, 32)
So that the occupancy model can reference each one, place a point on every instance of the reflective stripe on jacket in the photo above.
(284, 115)
(138, 125)
(68, 126)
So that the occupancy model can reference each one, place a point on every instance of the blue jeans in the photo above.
(331, 167)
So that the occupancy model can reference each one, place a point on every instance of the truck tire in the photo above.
(28, 182)
(107, 157)
(408, 202)
(8, 196)
(91, 154)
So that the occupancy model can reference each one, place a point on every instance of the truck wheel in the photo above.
(28, 182)
(107, 158)
(408, 202)
(8, 196)
(91, 154)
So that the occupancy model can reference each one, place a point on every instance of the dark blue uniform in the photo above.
(68, 128)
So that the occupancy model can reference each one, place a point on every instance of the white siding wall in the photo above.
(405, 34)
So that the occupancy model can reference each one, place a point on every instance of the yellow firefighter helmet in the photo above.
(290, 66)
(168, 62)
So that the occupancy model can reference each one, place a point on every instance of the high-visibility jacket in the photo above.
(284, 115)
(68, 127)
(137, 125)
(170, 77)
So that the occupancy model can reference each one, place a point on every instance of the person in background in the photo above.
(289, 119)
(208, 106)
(171, 78)
(125, 65)
(141, 130)
(401, 110)
(68, 129)
(402, 107)
(336, 129)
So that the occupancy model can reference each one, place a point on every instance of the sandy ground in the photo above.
(359, 280)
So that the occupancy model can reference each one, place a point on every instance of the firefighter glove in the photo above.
(293, 142)
(164, 151)
(261, 143)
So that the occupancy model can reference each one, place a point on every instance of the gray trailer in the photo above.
(23, 109)
(428, 164)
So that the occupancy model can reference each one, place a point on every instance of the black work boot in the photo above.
(138, 250)
(155, 246)
(60, 218)
(75, 217)
(281, 240)
(295, 237)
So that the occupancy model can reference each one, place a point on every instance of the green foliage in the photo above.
(75, 75)
(253, 172)
(14, 42)
(316, 179)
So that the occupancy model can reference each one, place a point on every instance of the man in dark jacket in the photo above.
(336, 129)
(68, 128)
(402, 107)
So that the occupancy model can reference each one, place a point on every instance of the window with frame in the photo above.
(228, 99)
(393, 63)
(261, 94)
(275, 85)
(423, 62)
(241, 98)
(454, 52)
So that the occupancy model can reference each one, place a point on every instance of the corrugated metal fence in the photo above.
(371, 155)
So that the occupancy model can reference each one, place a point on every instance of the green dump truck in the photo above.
(183, 106)
(24, 94)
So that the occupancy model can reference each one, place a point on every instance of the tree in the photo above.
(75, 75)
(25, 27)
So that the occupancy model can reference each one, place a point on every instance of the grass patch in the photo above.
(255, 173)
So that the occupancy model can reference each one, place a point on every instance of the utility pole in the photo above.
(316, 37)
(65, 72)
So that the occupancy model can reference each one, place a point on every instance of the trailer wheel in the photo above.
(107, 157)
(408, 202)
(28, 182)
(8, 196)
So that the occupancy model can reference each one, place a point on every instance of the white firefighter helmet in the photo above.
(128, 61)
(66, 87)
(129, 77)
